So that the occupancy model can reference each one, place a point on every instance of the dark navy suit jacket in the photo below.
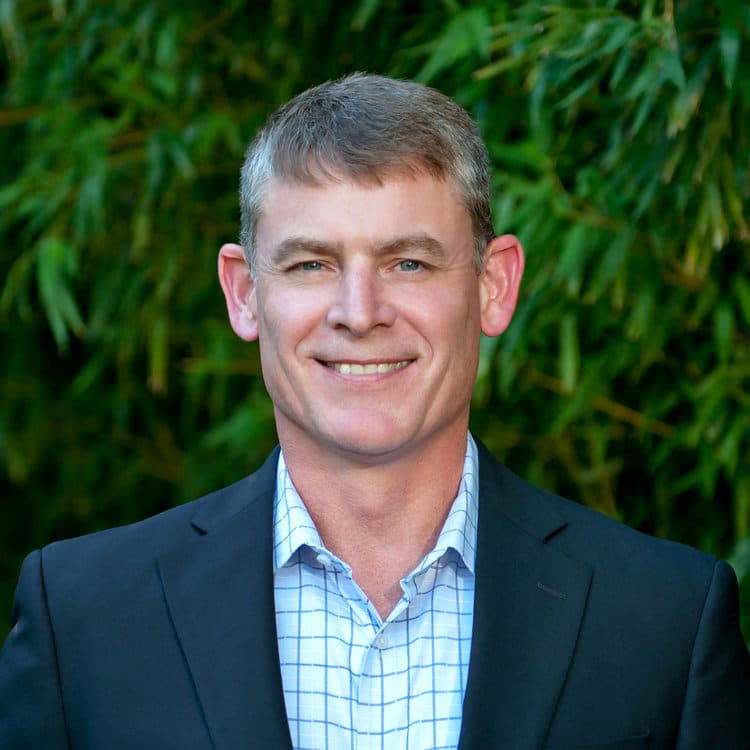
(587, 634)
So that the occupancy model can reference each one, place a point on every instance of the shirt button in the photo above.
(381, 641)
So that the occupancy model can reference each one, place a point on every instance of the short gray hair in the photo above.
(368, 128)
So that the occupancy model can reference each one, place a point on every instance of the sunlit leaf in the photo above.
(56, 264)
(569, 353)
(466, 34)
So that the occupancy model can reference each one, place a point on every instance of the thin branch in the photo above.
(613, 408)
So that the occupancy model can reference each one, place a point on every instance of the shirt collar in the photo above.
(294, 528)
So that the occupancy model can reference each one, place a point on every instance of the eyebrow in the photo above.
(421, 243)
(292, 247)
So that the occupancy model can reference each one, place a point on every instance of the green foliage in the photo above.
(618, 133)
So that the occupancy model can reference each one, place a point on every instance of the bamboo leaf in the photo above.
(724, 331)
(158, 354)
(56, 264)
(465, 35)
(570, 356)
(729, 38)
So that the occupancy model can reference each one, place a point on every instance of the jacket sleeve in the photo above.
(716, 708)
(31, 708)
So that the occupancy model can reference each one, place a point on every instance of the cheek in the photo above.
(285, 321)
(286, 328)
(455, 316)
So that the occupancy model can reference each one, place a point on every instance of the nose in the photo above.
(361, 303)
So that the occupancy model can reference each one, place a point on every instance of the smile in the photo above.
(353, 368)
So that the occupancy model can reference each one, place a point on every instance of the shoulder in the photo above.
(657, 600)
(619, 555)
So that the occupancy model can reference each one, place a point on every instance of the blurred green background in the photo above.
(618, 133)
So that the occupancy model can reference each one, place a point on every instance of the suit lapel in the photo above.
(529, 602)
(219, 590)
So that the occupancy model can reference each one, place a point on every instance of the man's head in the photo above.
(374, 268)
(367, 129)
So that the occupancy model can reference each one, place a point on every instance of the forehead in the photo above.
(346, 211)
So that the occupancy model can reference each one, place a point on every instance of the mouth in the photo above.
(371, 368)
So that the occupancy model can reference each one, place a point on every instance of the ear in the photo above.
(499, 283)
(239, 291)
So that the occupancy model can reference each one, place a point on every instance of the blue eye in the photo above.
(311, 265)
(409, 265)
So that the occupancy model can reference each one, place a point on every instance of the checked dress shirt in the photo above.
(352, 680)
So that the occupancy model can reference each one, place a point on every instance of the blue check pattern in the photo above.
(352, 681)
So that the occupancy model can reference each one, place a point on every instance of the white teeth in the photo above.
(351, 368)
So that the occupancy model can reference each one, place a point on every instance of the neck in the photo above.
(380, 518)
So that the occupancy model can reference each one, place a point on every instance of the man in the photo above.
(381, 582)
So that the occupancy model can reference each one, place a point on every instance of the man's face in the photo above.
(367, 307)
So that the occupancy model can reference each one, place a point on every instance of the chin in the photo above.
(368, 444)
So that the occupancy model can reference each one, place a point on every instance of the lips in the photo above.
(371, 368)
